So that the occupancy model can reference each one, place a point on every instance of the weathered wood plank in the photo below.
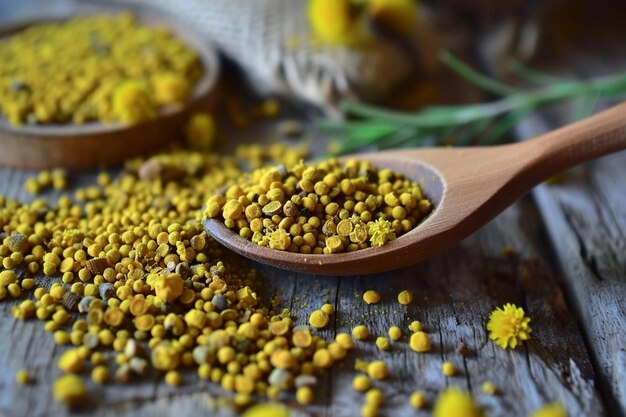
(585, 221)
(585, 216)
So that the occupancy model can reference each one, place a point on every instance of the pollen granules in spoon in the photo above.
(321, 208)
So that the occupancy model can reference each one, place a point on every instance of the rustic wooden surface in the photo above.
(585, 216)
(568, 272)
(454, 295)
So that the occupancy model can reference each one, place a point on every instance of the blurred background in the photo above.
(315, 54)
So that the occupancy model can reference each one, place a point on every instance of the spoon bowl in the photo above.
(467, 186)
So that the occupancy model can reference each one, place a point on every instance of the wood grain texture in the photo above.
(585, 217)
(454, 294)
(584, 212)
(92, 145)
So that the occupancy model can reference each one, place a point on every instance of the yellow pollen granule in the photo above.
(173, 378)
(415, 326)
(332, 21)
(70, 390)
(374, 397)
(361, 383)
(22, 377)
(550, 410)
(337, 352)
(369, 410)
(328, 309)
(302, 338)
(345, 341)
(377, 370)
(456, 402)
(371, 297)
(395, 333)
(305, 395)
(318, 319)
(322, 358)
(383, 343)
(165, 357)
(132, 102)
(488, 388)
(360, 332)
(71, 361)
(169, 287)
(100, 374)
(417, 400)
(405, 297)
(420, 342)
(200, 131)
(360, 365)
(267, 410)
(448, 369)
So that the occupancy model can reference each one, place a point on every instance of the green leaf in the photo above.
(384, 127)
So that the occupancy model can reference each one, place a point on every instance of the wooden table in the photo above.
(568, 271)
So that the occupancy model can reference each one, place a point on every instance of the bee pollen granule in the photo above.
(420, 342)
(318, 319)
(360, 332)
(371, 297)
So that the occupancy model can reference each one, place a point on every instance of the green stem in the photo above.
(485, 83)
(463, 114)
(382, 127)
(530, 74)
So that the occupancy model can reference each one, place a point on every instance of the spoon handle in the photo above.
(587, 139)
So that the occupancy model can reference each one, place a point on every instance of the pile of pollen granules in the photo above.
(138, 284)
(324, 208)
(124, 275)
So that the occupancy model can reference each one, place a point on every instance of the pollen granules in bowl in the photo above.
(321, 208)
(107, 68)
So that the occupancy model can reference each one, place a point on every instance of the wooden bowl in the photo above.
(92, 145)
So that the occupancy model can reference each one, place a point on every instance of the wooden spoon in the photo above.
(468, 187)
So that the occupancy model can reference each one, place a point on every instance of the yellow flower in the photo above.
(508, 326)
(454, 402)
(380, 232)
(550, 410)
(395, 16)
(334, 21)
